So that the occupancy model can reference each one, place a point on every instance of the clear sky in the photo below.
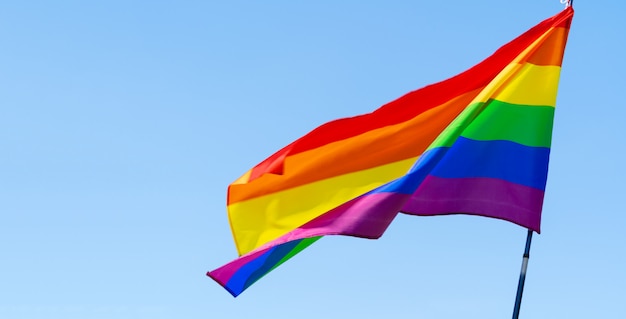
(123, 122)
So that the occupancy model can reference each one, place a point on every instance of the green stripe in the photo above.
(495, 120)
(526, 125)
(304, 243)
(456, 127)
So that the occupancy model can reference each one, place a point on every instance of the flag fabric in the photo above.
(477, 143)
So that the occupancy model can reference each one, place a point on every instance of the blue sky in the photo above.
(123, 122)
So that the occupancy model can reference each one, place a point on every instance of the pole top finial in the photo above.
(567, 3)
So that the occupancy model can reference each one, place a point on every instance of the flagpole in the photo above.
(522, 276)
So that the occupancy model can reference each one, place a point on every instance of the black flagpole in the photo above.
(522, 276)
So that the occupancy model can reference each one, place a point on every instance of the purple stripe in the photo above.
(367, 216)
(487, 197)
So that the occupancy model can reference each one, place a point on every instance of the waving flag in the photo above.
(477, 143)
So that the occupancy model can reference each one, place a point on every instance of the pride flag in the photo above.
(477, 143)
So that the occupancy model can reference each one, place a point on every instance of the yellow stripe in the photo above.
(256, 221)
(524, 84)
(532, 85)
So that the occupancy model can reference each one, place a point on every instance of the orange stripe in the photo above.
(374, 148)
(550, 52)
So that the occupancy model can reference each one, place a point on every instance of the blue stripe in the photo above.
(277, 254)
(503, 160)
(237, 283)
(259, 267)
(408, 183)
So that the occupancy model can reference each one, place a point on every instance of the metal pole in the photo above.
(522, 276)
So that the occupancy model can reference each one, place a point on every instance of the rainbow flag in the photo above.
(477, 143)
